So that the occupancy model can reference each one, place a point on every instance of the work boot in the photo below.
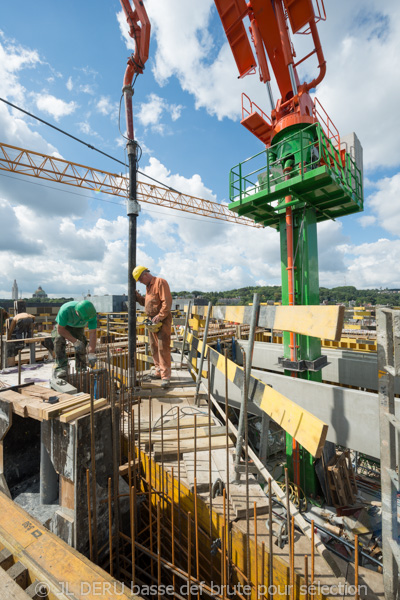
(154, 374)
(165, 383)
(60, 373)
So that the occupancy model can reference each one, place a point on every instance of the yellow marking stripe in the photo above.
(307, 429)
(303, 426)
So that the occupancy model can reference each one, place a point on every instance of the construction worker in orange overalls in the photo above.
(157, 305)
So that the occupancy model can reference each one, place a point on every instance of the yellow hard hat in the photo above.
(137, 271)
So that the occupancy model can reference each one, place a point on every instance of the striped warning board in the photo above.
(324, 322)
(307, 430)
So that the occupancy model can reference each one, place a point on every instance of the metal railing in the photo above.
(311, 148)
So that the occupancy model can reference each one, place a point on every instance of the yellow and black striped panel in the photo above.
(308, 430)
(317, 321)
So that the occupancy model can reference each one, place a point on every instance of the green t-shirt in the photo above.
(67, 316)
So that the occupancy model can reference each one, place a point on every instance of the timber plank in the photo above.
(10, 590)
(186, 434)
(168, 393)
(82, 410)
(51, 560)
(202, 473)
(16, 400)
(170, 448)
(184, 422)
(325, 322)
(237, 493)
(53, 410)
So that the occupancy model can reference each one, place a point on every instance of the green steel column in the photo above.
(307, 293)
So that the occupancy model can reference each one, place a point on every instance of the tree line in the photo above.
(341, 294)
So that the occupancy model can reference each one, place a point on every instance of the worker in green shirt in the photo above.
(71, 321)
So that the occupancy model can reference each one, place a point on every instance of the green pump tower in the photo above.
(304, 174)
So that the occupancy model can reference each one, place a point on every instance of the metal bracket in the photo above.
(303, 365)
(132, 207)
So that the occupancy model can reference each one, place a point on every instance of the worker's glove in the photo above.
(92, 359)
(79, 347)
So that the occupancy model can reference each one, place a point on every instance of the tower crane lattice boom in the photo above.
(42, 166)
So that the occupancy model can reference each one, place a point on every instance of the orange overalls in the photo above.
(158, 301)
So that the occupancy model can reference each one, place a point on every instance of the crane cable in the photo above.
(89, 145)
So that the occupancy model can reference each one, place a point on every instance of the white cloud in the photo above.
(87, 89)
(152, 111)
(385, 203)
(55, 107)
(367, 220)
(85, 128)
(69, 84)
(13, 59)
(184, 49)
(107, 108)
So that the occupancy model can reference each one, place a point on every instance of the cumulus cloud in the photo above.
(152, 111)
(56, 107)
(107, 108)
(367, 220)
(85, 128)
(385, 203)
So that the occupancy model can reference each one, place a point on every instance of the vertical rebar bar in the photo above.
(287, 502)
(263, 566)
(312, 557)
(306, 575)
(356, 549)
(195, 447)
(196, 533)
(179, 480)
(271, 548)
(93, 466)
(158, 550)
(89, 515)
(189, 551)
(133, 529)
(115, 455)
(162, 456)
(173, 527)
(209, 441)
(255, 549)
(227, 482)
(246, 448)
(292, 572)
(110, 535)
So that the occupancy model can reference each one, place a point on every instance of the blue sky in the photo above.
(65, 61)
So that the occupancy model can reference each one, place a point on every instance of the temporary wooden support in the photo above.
(50, 560)
(71, 415)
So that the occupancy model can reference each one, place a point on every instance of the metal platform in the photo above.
(321, 177)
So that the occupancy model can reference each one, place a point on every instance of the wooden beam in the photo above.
(83, 410)
(50, 560)
(325, 322)
(10, 590)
